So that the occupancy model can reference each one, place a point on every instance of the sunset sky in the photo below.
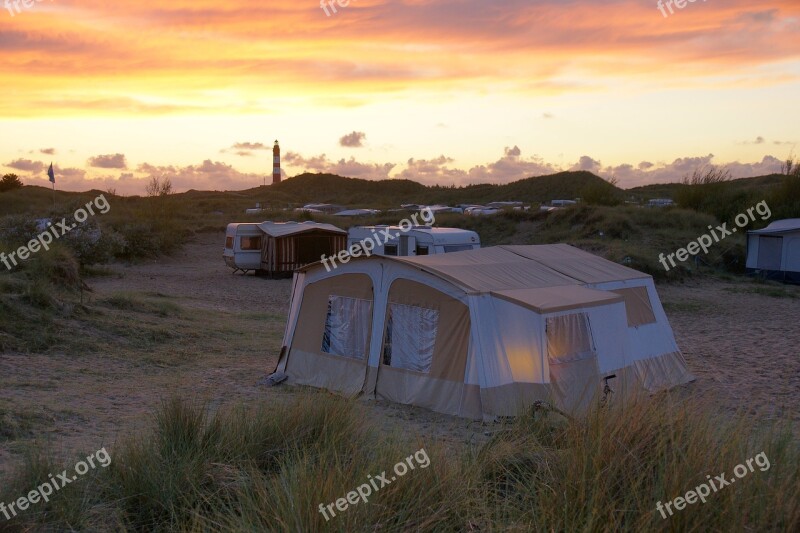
(438, 91)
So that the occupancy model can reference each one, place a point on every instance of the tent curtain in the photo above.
(410, 337)
(347, 327)
(574, 372)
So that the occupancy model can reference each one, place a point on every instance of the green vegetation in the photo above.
(158, 224)
(18, 422)
(629, 235)
(692, 306)
(326, 188)
(267, 467)
(9, 182)
(773, 291)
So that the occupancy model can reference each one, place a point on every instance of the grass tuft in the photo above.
(268, 467)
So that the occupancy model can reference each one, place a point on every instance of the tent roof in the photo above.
(517, 268)
(779, 226)
(522, 267)
(554, 299)
(577, 264)
(487, 269)
(283, 229)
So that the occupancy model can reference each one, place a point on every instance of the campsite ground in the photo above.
(212, 336)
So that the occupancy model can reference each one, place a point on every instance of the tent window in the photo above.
(637, 306)
(347, 327)
(569, 339)
(411, 348)
(251, 243)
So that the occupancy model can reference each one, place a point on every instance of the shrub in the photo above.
(17, 230)
(9, 182)
(602, 193)
(58, 267)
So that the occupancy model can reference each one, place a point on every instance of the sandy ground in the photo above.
(743, 348)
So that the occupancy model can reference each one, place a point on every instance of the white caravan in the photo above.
(419, 240)
(243, 247)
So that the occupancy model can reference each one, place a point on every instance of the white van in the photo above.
(243, 247)
(419, 240)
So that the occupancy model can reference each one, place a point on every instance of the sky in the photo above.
(437, 91)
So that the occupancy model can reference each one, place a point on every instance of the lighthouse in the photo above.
(276, 164)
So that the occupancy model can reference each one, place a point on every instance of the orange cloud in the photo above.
(145, 57)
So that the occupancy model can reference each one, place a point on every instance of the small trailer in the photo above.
(419, 240)
(243, 243)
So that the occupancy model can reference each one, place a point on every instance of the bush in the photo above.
(17, 230)
(785, 199)
(601, 193)
(142, 240)
(708, 190)
(58, 267)
(9, 182)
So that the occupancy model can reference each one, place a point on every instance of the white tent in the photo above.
(480, 333)
(774, 252)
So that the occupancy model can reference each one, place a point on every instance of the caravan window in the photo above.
(390, 249)
(422, 250)
(347, 327)
(410, 337)
(229, 243)
(250, 243)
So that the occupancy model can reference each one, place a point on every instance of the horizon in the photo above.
(142, 194)
(442, 93)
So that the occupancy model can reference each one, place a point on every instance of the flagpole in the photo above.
(52, 175)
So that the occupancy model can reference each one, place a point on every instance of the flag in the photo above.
(51, 174)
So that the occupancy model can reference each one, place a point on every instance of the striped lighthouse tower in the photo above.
(276, 164)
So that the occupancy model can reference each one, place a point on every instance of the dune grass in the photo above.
(268, 467)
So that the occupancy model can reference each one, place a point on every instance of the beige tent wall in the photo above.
(298, 284)
(505, 359)
(442, 388)
(306, 363)
(655, 359)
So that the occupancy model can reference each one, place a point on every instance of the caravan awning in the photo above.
(779, 226)
(283, 229)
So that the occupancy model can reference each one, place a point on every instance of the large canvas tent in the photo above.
(480, 333)
(774, 252)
